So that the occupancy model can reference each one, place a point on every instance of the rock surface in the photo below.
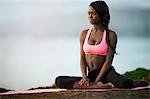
(122, 94)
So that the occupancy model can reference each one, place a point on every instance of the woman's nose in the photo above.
(90, 15)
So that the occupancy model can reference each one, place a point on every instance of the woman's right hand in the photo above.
(84, 82)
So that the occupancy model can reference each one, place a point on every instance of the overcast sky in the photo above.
(69, 17)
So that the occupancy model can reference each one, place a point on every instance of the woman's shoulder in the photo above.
(112, 33)
(83, 33)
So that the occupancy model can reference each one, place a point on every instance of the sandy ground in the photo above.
(124, 94)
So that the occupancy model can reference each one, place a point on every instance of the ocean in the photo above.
(28, 62)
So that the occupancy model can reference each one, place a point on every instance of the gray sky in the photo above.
(46, 18)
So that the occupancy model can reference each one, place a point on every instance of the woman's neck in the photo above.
(98, 28)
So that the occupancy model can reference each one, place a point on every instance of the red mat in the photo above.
(62, 90)
(32, 91)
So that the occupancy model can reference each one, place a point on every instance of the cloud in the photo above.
(43, 18)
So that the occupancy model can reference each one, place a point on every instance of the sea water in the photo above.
(27, 62)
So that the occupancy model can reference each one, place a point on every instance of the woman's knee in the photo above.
(58, 80)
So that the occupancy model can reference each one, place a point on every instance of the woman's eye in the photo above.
(94, 13)
(91, 13)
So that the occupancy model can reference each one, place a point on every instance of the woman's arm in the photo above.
(109, 57)
(83, 64)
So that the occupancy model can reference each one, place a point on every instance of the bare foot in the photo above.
(106, 85)
(110, 84)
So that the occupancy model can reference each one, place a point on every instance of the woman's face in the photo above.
(93, 16)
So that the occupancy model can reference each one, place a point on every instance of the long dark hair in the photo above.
(103, 11)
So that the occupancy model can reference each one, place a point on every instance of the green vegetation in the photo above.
(138, 74)
(4, 90)
(54, 86)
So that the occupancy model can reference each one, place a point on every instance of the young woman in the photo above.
(97, 49)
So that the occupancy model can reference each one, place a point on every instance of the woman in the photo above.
(97, 49)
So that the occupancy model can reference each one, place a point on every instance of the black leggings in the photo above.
(112, 76)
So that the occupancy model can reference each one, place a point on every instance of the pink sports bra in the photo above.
(99, 49)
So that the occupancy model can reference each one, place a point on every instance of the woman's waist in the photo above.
(94, 65)
(94, 68)
(94, 61)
